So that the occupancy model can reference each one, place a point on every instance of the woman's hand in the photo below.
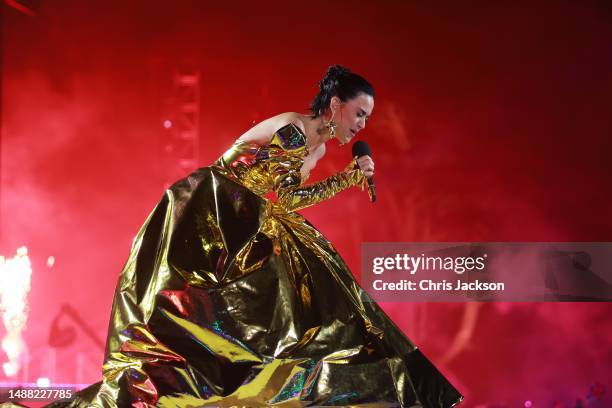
(366, 164)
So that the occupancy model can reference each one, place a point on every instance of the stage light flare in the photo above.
(15, 275)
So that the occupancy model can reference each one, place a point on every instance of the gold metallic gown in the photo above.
(229, 299)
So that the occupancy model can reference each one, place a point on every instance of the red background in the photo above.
(492, 123)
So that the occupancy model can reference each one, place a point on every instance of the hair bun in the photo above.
(336, 71)
(333, 74)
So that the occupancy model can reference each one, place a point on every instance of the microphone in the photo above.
(361, 148)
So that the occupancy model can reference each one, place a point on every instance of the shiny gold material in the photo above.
(229, 299)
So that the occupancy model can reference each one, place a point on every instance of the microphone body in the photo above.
(361, 148)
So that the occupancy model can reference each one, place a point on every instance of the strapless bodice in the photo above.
(262, 169)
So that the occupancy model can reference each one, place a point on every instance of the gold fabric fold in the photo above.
(229, 299)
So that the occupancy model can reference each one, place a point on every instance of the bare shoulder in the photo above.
(263, 131)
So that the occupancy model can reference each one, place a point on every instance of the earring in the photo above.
(331, 126)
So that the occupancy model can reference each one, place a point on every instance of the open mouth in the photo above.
(353, 133)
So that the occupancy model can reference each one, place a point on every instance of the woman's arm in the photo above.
(297, 198)
(263, 132)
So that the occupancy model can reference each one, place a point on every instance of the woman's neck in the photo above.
(316, 131)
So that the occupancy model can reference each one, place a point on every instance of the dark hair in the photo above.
(341, 82)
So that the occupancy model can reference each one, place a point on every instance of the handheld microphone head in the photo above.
(361, 148)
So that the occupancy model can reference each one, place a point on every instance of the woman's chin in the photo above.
(345, 139)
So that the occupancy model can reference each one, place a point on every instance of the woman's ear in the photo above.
(334, 104)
